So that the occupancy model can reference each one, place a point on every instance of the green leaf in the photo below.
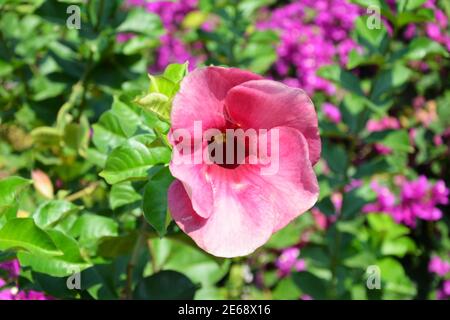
(398, 247)
(165, 285)
(408, 5)
(46, 136)
(162, 90)
(76, 136)
(337, 159)
(352, 203)
(286, 289)
(371, 167)
(310, 284)
(397, 140)
(421, 47)
(90, 228)
(154, 203)
(108, 132)
(385, 226)
(132, 160)
(395, 283)
(342, 78)
(175, 72)
(200, 267)
(421, 15)
(113, 247)
(23, 234)
(140, 21)
(123, 109)
(390, 79)
(10, 188)
(50, 212)
(157, 103)
(373, 35)
(60, 266)
(122, 194)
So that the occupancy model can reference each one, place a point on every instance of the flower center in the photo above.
(228, 154)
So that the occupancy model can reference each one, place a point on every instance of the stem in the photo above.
(163, 139)
(151, 250)
(84, 192)
(133, 260)
(84, 82)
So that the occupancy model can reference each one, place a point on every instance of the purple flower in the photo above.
(312, 34)
(12, 267)
(171, 49)
(382, 149)
(288, 261)
(446, 287)
(440, 192)
(331, 112)
(433, 31)
(439, 266)
(385, 123)
(6, 294)
(444, 292)
(418, 199)
(410, 31)
(124, 37)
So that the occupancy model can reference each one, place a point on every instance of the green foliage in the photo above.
(80, 106)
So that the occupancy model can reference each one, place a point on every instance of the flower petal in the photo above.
(268, 104)
(241, 222)
(293, 188)
(194, 177)
(201, 96)
(248, 206)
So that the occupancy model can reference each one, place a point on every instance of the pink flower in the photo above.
(232, 209)
(124, 37)
(12, 267)
(6, 294)
(439, 266)
(332, 112)
(446, 287)
(382, 149)
(410, 31)
(319, 218)
(382, 124)
(42, 183)
(433, 31)
(288, 261)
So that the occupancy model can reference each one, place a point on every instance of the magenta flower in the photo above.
(232, 209)
(312, 34)
(444, 292)
(12, 267)
(385, 123)
(332, 112)
(124, 37)
(289, 261)
(418, 199)
(439, 266)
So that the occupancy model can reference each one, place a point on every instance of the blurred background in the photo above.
(376, 70)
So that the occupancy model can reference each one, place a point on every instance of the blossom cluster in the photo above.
(172, 13)
(436, 30)
(418, 199)
(313, 34)
(441, 268)
(7, 292)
